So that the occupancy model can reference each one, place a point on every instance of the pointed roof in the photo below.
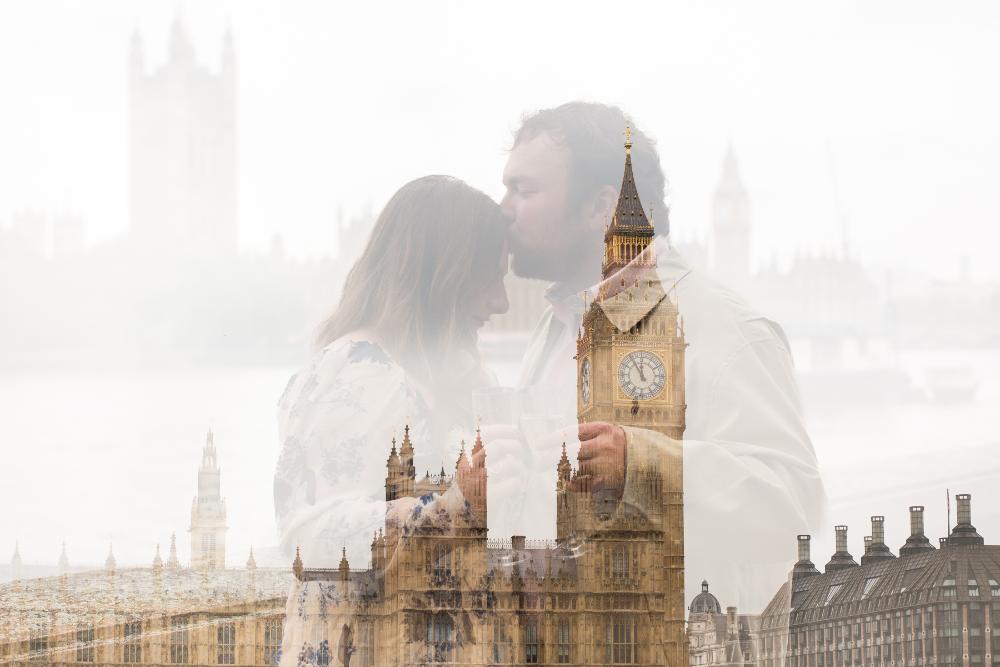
(406, 448)
(15, 560)
(629, 217)
(63, 560)
(172, 558)
(343, 559)
(251, 561)
(109, 563)
(463, 460)
(297, 564)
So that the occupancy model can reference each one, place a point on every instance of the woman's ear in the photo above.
(600, 208)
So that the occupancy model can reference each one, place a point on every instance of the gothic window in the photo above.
(563, 641)
(619, 562)
(366, 645)
(620, 646)
(973, 588)
(179, 640)
(500, 640)
(531, 645)
(208, 547)
(38, 645)
(85, 643)
(441, 561)
(133, 642)
(440, 633)
(226, 643)
(272, 640)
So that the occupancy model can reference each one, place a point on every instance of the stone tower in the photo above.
(630, 363)
(182, 149)
(731, 225)
(208, 513)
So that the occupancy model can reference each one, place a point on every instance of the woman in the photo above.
(399, 349)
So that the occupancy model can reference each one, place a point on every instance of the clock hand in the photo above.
(642, 376)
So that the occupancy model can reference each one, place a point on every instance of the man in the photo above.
(751, 476)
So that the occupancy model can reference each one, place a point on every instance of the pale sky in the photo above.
(341, 103)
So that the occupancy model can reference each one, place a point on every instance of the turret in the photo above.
(629, 233)
(228, 67)
(564, 468)
(804, 566)
(63, 561)
(208, 512)
(157, 560)
(877, 549)
(297, 565)
(137, 67)
(345, 567)
(471, 476)
(109, 562)
(842, 558)
(393, 477)
(181, 48)
(172, 562)
(731, 223)
(917, 542)
(964, 533)
(15, 562)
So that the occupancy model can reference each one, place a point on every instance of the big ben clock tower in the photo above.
(630, 364)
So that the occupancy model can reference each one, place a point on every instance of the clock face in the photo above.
(585, 380)
(642, 375)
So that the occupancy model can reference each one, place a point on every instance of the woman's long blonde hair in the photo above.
(436, 245)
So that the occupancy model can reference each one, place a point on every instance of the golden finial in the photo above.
(628, 139)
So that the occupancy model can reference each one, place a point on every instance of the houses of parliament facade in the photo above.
(608, 590)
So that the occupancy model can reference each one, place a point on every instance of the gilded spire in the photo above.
(297, 565)
(630, 231)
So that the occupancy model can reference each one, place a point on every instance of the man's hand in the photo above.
(602, 448)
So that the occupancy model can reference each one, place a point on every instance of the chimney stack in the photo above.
(877, 550)
(917, 542)
(842, 558)
(964, 533)
(804, 567)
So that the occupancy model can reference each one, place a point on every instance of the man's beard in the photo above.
(572, 262)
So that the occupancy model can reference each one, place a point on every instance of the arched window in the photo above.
(440, 638)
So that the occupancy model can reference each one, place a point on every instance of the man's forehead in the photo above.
(540, 155)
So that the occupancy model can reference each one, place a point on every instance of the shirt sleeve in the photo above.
(751, 479)
(336, 420)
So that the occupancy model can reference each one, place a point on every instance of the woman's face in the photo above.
(488, 301)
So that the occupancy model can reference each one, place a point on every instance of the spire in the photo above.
(172, 561)
(463, 460)
(136, 55)
(228, 52)
(406, 454)
(181, 48)
(564, 468)
(63, 560)
(251, 561)
(630, 231)
(478, 453)
(157, 560)
(109, 563)
(345, 568)
(297, 565)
